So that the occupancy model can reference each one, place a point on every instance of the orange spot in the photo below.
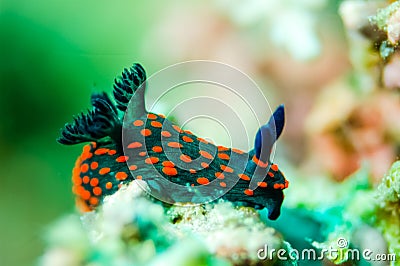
(188, 132)
(84, 156)
(244, 177)
(138, 123)
(223, 156)
(142, 153)
(77, 168)
(86, 179)
(139, 177)
(222, 148)
(161, 115)
(192, 185)
(101, 151)
(109, 185)
(238, 151)
(177, 128)
(145, 132)
(186, 158)
(262, 184)
(85, 195)
(156, 124)
(204, 165)
(135, 145)
(192, 171)
(82, 206)
(202, 140)
(157, 149)
(206, 155)
(286, 184)
(168, 164)
(112, 152)
(151, 160)
(219, 175)
(203, 181)
(94, 145)
(104, 170)
(94, 201)
(87, 156)
(259, 162)
(226, 168)
(80, 190)
(121, 176)
(77, 180)
(174, 145)
(248, 192)
(170, 171)
(86, 149)
(187, 139)
(165, 134)
(94, 182)
(270, 174)
(132, 167)
(277, 186)
(84, 168)
(122, 159)
(151, 116)
(222, 184)
(97, 191)
(94, 165)
(274, 167)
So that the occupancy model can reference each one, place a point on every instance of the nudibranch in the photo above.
(124, 146)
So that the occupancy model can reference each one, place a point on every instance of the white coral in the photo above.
(129, 228)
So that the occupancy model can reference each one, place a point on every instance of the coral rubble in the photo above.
(131, 229)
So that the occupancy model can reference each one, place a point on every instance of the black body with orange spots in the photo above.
(148, 146)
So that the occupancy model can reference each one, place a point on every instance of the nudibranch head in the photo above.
(156, 144)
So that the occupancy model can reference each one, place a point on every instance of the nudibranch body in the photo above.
(147, 146)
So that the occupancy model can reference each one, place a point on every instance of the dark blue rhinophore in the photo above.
(269, 133)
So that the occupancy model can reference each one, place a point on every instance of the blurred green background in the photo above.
(54, 54)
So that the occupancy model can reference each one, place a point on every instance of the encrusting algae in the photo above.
(388, 208)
